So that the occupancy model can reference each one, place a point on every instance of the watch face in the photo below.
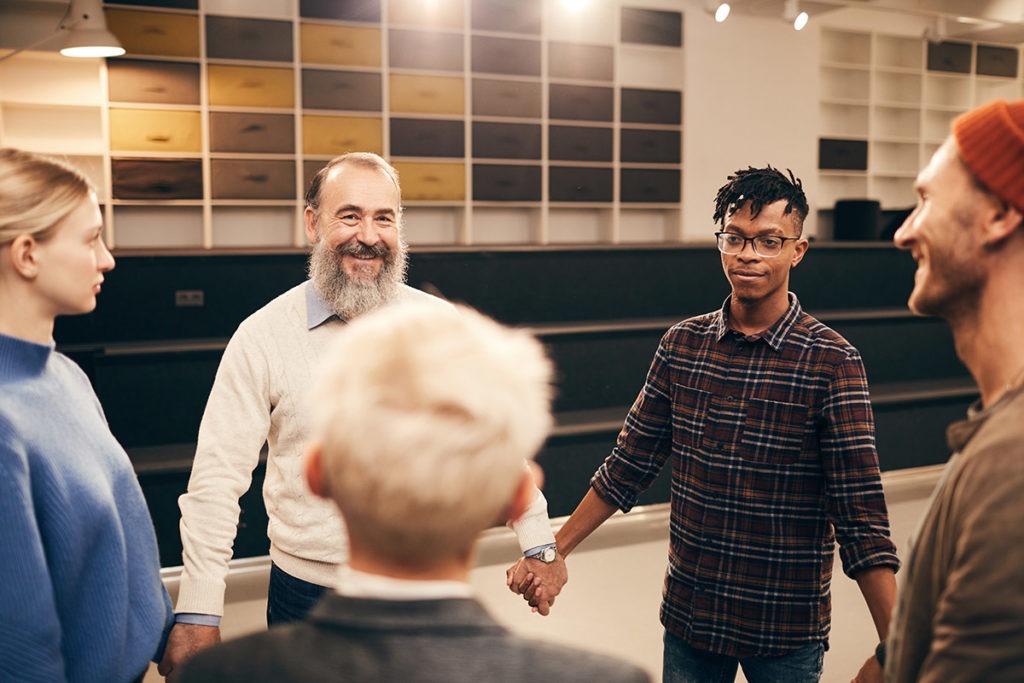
(548, 555)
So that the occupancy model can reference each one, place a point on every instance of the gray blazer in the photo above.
(424, 641)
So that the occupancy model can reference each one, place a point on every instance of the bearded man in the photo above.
(353, 219)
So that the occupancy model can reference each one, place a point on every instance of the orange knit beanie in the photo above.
(991, 143)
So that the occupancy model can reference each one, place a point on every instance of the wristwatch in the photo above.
(546, 554)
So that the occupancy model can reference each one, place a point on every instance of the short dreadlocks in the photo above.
(760, 187)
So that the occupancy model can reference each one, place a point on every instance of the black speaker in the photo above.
(857, 219)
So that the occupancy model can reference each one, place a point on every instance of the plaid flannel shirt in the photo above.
(773, 461)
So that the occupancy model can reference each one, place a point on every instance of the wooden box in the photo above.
(440, 14)
(431, 50)
(427, 138)
(506, 140)
(580, 184)
(342, 45)
(427, 94)
(515, 56)
(650, 185)
(349, 10)
(506, 183)
(345, 90)
(949, 56)
(250, 86)
(137, 80)
(252, 178)
(157, 178)
(651, 27)
(496, 97)
(843, 155)
(579, 143)
(155, 33)
(333, 135)
(580, 102)
(641, 105)
(154, 130)
(432, 181)
(252, 132)
(507, 16)
(582, 62)
(651, 146)
(240, 38)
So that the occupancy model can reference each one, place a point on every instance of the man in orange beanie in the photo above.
(960, 614)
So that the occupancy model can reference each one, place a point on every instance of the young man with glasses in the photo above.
(764, 415)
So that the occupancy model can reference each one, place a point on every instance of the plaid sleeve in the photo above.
(645, 441)
(856, 502)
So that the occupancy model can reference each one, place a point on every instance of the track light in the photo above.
(719, 10)
(791, 12)
(937, 31)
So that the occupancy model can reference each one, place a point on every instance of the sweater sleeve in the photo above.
(30, 631)
(533, 528)
(234, 429)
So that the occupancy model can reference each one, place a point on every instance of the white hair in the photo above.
(425, 419)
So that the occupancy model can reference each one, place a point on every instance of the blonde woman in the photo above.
(80, 592)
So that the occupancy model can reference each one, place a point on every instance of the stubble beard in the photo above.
(954, 279)
(352, 296)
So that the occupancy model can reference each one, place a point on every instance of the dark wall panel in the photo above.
(239, 38)
(427, 138)
(579, 143)
(580, 184)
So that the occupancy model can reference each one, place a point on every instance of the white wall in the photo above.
(750, 98)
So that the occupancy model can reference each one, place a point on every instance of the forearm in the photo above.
(585, 519)
(878, 586)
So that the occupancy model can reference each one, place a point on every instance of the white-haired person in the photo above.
(80, 596)
(421, 445)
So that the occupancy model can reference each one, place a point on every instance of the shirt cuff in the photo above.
(197, 619)
(533, 529)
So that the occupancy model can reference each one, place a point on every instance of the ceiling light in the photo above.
(719, 10)
(791, 12)
(87, 32)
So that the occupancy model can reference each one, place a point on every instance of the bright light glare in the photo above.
(93, 51)
(800, 21)
(575, 5)
(722, 13)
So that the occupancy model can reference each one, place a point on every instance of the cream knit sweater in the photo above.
(259, 397)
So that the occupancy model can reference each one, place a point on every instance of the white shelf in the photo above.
(844, 120)
(845, 47)
(909, 111)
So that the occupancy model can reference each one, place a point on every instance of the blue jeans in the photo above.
(289, 598)
(684, 664)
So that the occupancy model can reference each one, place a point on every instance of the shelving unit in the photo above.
(507, 127)
(886, 105)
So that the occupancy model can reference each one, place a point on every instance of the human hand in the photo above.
(870, 672)
(538, 582)
(185, 641)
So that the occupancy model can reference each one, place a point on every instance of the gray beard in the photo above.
(350, 297)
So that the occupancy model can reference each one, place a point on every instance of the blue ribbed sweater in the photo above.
(80, 593)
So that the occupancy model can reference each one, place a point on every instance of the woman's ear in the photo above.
(23, 256)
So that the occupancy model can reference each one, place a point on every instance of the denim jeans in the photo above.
(684, 664)
(289, 598)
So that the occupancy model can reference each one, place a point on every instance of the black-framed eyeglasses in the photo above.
(764, 245)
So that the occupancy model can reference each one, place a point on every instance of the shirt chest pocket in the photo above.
(773, 431)
(689, 415)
